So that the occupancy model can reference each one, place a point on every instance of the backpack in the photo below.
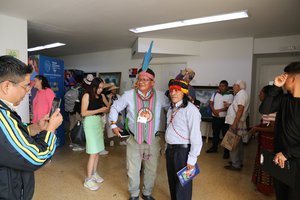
(71, 96)
(208, 109)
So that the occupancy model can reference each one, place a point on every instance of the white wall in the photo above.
(167, 46)
(13, 35)
(277, 44)
(229, 59)
(222, 59)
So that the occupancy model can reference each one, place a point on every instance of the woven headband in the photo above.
(179, 85)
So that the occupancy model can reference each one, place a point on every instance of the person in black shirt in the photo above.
(93, 105)
(287, 126)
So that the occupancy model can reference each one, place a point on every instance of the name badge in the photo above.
(144, 115)
(142, 120)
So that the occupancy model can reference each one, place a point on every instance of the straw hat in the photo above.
(107, 85)
(113, 87)
(88, 79)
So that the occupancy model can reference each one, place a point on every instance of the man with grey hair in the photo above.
(236, 118)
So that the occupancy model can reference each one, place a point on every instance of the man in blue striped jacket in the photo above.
(23, 148)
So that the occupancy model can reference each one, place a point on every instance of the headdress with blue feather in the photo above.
(147, 58)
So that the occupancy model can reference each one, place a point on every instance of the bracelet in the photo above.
(112, 122)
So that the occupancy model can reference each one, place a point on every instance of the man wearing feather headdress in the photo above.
(143, 106)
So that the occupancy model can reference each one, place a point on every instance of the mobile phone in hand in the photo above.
(55, 104)
(124, 133)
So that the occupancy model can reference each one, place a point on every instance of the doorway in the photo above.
(265, 68)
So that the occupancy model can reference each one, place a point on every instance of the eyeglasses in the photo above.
(26, 87)
(144, 80)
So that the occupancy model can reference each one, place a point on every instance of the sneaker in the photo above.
(104, 152)
(91, 184)
(71, 145)
(97, 178)
(78, 148)
(123, 143)
(111, 143)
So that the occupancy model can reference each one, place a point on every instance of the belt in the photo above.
(178, 146)
(218, 117)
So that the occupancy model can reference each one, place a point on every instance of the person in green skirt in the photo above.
(93, 106)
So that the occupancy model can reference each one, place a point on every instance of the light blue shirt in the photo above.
(185, 129)
(127, 102)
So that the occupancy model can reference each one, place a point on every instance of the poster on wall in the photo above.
(111, 77)
(72, 77)
(53, 70)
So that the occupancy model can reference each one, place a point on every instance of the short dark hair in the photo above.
(13, 69)
(45, 83)
(293, 68)
(268, 89)
(224, 82)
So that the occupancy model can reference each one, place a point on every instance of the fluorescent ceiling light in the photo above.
(189, 22)
(48, 46)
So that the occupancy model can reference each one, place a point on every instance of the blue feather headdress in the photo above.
(147, 58)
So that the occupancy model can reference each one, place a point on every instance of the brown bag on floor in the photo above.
(230, 140)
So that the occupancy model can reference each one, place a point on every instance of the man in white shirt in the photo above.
(183, 138)
(236, 117)
(143, 107)
(219, 103)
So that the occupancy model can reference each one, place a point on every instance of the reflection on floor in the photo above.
(62, 178)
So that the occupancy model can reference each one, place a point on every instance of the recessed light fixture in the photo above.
(48, 46)
(189, 22)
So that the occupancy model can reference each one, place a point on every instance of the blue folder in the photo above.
(184, 178)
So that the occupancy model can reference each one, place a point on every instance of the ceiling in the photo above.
(99, 25)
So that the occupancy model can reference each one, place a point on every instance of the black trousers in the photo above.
(177, 159)
(284, 192)
(218, 124)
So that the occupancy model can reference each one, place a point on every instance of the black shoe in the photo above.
(134, 198)
(230, 163)
(232, 168)
(147, 197)
(225, 156)
(212, 150)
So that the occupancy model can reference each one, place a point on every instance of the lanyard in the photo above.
(173, 114)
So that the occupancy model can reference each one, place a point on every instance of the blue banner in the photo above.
(53, 70)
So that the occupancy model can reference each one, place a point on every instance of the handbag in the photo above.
(286, 175)
(230, 140)
(77, 134)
